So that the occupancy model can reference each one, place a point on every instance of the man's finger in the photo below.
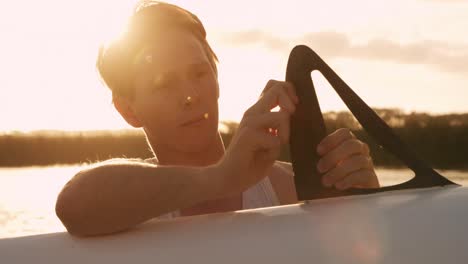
(339, 154)
(291, 90)
(284, 128)
(268, 122)
(348, 166)
(277, 95)
(265, 141)
(364, 178)
(333, 140)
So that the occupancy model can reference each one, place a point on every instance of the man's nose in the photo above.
(189, 95)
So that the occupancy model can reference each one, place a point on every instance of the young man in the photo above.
(163, 78)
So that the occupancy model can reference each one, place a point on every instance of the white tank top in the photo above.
(259, 195)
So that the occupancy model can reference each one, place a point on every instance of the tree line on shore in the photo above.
(440, 140)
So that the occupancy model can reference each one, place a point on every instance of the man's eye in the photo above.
(160, 83)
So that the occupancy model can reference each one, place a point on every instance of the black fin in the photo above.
(308, 129)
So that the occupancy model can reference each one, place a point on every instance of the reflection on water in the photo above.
(27, 196)
(27, 199)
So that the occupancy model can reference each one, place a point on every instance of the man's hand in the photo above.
(346, 162)
(257, 143)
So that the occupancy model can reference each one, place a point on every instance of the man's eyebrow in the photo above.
(190, 68)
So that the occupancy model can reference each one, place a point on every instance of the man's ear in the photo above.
(124, 106)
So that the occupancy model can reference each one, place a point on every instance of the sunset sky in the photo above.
(408, 54)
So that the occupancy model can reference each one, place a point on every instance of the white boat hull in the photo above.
(410, 226)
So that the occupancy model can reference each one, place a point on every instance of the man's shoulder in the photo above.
(152, 161)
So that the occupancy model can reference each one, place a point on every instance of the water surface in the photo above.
(27, 196)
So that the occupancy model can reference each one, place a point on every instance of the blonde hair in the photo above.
(150, 20)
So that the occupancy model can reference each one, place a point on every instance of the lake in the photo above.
(27, 196)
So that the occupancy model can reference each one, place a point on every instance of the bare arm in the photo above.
(113, 197)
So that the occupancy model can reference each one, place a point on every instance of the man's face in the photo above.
(176, 94)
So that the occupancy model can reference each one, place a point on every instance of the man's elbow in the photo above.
(73, 212)
(71, 208)
(75, 216)
(69, 214)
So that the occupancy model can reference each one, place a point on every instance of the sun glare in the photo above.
(49, 48)
(48, 54)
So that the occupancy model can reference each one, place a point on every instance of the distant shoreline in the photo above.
(441, 141)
